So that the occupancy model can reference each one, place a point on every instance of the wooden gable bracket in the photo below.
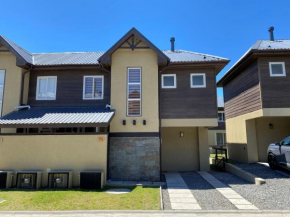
(134, 45)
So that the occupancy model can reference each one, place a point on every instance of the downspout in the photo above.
(22, 84)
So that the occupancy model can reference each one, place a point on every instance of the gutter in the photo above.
(22, 84)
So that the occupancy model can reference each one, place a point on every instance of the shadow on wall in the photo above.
(238, 152)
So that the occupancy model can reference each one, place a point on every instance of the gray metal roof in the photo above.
(73, 58)
(188, 56)
(59, 115)
(19, 50)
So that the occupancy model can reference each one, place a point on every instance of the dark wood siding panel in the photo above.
(69, 90)
(221, 126)
(186, 102)
(242, 94)
(275, 90)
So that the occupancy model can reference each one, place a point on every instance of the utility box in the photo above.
(29, 179)
(60, 179)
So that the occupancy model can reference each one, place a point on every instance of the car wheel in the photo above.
(272, 161)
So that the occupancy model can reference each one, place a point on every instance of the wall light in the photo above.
(271, 126)
(181, 134)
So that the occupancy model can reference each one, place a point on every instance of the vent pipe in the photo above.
(271, 33)
(172, 40)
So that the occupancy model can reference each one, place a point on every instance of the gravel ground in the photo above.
(206, 195)
(166, 200)
(274, 195)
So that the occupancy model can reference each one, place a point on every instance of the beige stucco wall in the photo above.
(180, 154)
(54, 152)
(147, 60)
(265, 135)
(211, 135)
(12, 84)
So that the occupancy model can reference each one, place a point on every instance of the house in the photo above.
(130, 112)
(257, 99)
(217, 135)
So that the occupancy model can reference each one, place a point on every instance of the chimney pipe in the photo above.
(172, 40)
(271, 33)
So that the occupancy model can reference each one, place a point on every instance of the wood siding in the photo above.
(275, 90)
(242, 94)
(186, 102)
(221, 126)
(69, 91)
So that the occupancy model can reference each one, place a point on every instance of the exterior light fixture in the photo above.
(181, 134)
(134, 122)
(271, 126)
(124, 122)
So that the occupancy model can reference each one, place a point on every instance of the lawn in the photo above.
(141, 198)
(219, 155)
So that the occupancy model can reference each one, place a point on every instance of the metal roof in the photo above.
(259, 46)
(73, 58)
(188, 56)
(58, 115)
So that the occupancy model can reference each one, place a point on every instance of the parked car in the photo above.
(279, 154)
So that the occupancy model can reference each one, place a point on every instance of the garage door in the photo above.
(180, 153)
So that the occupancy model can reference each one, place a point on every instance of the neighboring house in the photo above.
(257, 99)
(217, 135)
(131, 112)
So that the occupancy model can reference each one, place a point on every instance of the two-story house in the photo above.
(131, 112)
(257, 99)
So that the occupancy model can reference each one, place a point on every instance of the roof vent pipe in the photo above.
(172, 40)
(271, 33)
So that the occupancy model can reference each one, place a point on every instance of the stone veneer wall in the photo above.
(134, 158)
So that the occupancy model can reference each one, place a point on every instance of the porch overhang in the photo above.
(58, 117)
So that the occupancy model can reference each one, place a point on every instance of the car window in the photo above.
(287, 141)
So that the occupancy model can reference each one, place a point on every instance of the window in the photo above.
(169, 81)
(221, 116)
(197, 80)
(220, 139)
(46, 88)
(286, 142)
(134, 92)
(277, 69)
(2, 79)
(93, 87)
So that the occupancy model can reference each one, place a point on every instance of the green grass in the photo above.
(219, 155)
(141, 198)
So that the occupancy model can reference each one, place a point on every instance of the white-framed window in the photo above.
(2, 82)
(221, 116)
(93, 87)
(46, 88)
(169, 81)
(220, 139)
(197, 80)
(134, 90)
(277, 69)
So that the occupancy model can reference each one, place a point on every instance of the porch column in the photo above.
(252, 146)
(203, 149)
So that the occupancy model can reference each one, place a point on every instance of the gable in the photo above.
(134, 40)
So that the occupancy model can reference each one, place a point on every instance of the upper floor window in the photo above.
(169, 81)
(46, 88)
(197, 80)
(2, 79)
(93, 87)
(277, 69)
(134, 92)
(221, 116)
(220, 139)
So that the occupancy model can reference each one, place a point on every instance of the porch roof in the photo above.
(58, 117)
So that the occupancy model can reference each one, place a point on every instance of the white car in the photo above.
(279, 154)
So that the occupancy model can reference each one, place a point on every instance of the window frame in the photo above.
(168, 87)
(222, 112)
(37, 86)
(283, 69)
(224, 138)
(140, 99)
(198, 86)
(1, 102)
(84, 86)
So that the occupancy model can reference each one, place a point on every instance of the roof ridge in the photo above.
(203, 54)
(69, 52)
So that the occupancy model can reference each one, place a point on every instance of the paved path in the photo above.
(147, 213)
(179, 194)
(230, 194)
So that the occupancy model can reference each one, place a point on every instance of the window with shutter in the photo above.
(134, 92)
(93, 87)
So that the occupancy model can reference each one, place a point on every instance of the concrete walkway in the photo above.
(236, 199)
(180, 196)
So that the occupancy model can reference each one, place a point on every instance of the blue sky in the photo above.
(225, 28)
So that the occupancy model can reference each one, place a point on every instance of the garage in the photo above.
(180, 150)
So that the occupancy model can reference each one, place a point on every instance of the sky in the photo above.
(226, 28)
